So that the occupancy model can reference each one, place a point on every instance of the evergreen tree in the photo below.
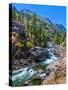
(19, 18)
(34, 27)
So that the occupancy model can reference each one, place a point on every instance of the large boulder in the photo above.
(20, 54)
(39, 54)
(21, 63)
(56, 72)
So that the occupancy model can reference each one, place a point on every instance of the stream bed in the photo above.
(34, 74)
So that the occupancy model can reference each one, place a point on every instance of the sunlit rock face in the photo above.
(56, 72)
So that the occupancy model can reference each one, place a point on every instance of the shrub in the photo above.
(29, 44)
(19, 44)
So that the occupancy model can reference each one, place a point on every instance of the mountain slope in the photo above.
(37, 24)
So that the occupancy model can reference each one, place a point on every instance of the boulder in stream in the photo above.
(39, 54)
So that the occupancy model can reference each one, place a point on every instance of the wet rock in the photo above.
(26, 83)
(39, 54)
(40, 71)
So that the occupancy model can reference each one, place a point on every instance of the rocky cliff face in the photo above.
(56, 72)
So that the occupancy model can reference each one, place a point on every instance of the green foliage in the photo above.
(37, 30)
(27, 35)
(59, 38)
(41, 35)
(29, 44)
(41, 66)
(19, 18)
(19, 44)
(34, 27)
(63, 43)
(36, 81)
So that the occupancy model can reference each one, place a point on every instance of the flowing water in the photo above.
(25, 74)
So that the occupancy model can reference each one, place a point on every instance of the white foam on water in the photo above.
(48, 61)
(31, 72)
(53, 57)
(16, 71)
(24, 74)
(42, 75)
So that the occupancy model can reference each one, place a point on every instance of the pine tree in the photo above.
(19, 18)
(34, 27)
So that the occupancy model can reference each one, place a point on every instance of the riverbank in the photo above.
(56, 72)
(35, 69)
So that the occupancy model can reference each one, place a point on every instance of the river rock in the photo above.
(39, 54)
(21, 63)
(26, 83)
(40, 71)
(21, 54)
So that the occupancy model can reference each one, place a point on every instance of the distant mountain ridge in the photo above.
(29, 14)
(46, 20)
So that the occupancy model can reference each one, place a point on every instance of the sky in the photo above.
(57, 14)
